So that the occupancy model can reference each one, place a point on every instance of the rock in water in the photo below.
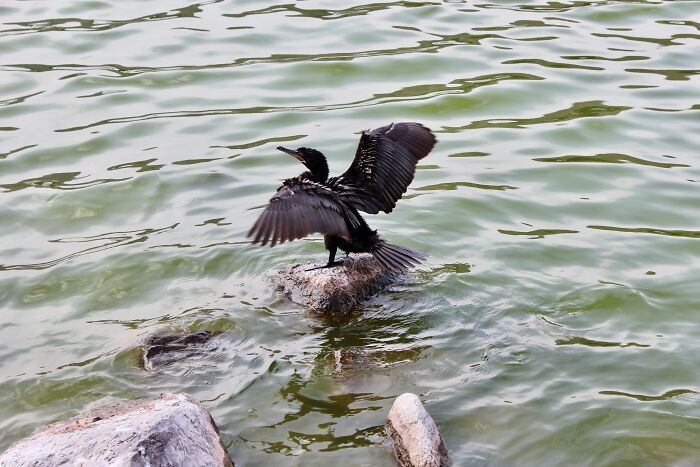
(172, 429)
(416, 439)
(334, 291)
(163, 348)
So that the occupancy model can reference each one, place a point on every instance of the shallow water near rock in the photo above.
(556, 320)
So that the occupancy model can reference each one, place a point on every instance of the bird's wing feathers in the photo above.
(384, 165)
(299, 208)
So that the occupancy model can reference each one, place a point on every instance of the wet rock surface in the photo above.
(334, 291)
(414, 435)
(353, 359)
(160, 349)
(171, 429)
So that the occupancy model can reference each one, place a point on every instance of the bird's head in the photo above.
(314, 160)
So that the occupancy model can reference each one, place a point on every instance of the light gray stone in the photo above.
(334, 291)
(169, 430)
(415, 437)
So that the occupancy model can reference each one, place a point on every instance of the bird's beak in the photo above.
(291, 152)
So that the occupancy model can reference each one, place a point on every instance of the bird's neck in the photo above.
(318, 172)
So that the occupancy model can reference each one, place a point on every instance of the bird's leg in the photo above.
(331, 259)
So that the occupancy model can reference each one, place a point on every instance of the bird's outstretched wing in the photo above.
(384, 165)
(299, 208)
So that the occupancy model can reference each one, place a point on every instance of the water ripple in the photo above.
(609, 159)
(597, 343)
(96, 25)
(20, 99)
(106, 240)
(644, 398)
(671, 75)
(58, 181)
(326, 14)
(649, 230)
(449, 186)
(575, 111)
(537, 233)
(654, 40)
(413, 93)
(3, 155)
(550, 64)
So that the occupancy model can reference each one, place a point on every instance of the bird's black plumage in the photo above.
(384, 165)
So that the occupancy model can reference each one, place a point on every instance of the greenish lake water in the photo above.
(556, 321)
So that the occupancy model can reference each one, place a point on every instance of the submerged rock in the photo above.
(353, 358)
(163, 348)
(416, 439)
(334, 291)
(172, 429)
(359, 360)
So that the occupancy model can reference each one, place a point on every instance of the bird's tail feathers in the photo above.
(396, 258)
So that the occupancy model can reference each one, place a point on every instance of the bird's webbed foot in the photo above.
(329, 265)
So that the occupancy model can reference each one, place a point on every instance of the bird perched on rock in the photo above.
(384, 165)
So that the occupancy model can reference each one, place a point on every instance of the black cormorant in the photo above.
(384, 165)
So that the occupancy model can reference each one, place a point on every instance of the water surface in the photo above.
(556, 320)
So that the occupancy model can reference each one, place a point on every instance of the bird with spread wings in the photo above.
(383, 167)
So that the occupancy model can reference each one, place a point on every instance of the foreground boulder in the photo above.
(415, 437)
(334, 291)
(172, 430)
(160, 349)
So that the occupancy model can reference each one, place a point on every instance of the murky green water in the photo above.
(557, 320)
